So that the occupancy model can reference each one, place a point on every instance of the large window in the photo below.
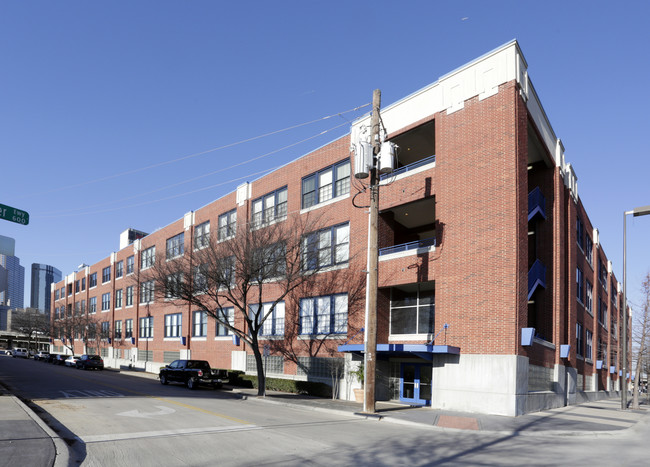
(270, 208)
(589, 249)
(148, 258)
(579, 341)
(580, 285)
(147, 292)
(130, 262)
(412, 309)
(274, 323)
(106, 274)
(174, 284)
(589, 297)
(106, 329)
(119, 269)
(129, 295)
(106, 301)
(329, 183)
(118, 330)
(227, 225)
(118, 298)
(602, 312)
(202, 235)
(176, 246)
(580, 234)
(173, 325)
(146, 327)
(324, 315)
(271, 262)
(92, 305)
(92, 281)
(200, 324)
(602, 273)
(228, 316)
(83, 283)
(327, 247)
(589, 337)
(128, 328)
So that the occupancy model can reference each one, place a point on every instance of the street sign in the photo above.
(14, 215)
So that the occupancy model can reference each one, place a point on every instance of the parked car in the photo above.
(41, 356)
(192, 373)
(59, 359)
(86, 362)
(20, 352)
(8, 352)
(71, 360)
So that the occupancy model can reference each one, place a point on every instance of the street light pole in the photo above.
(642, 211)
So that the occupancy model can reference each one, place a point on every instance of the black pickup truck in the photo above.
(192, 373)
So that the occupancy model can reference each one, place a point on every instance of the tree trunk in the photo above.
(261, 377)
(637, 377)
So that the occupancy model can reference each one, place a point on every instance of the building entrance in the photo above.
(415, 383)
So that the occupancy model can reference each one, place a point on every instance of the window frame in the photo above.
(147, 290)
(202, 235)
(221, 330)
(92, 280)
(106, 301)
(118, 298)
(130, 264)
(229, 229)
(148, 258)
(260, 218)
(106, 274)
(175, 246)
(274, 323)
(309, 313)
(173, 325)
(145, 330)
(313, 251)
(200, 325)
(339, 185)
(119, 269)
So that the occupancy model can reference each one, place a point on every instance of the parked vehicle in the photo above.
(86, 362)
(8, 352)
(41, 356)
(59, 359)
(71, 360)
(192, 373)
(20, 352)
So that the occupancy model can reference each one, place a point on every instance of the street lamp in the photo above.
(642, 211)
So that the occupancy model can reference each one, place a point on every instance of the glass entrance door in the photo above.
(415, 383)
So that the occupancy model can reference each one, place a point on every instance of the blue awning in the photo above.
(425, 351)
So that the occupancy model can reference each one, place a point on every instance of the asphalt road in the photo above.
(110, 418)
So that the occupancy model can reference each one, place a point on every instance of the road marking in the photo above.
(156, 434)
(78, 394)
(137, 414)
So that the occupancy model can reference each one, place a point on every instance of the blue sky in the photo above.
(98, 99)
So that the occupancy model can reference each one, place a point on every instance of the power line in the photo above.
(189, 156)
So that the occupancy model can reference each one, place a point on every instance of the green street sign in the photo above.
(14, 215)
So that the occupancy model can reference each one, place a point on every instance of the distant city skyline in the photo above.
(43, 275)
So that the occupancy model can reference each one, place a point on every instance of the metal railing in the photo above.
(536, 276)
(409, 167)
(427, 242)
(536, 203)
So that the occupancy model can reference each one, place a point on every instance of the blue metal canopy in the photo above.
(425, 351)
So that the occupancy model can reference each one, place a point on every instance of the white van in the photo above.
(20, 352)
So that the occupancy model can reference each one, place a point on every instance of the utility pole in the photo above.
(370, 355)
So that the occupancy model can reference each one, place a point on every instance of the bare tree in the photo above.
(640, 337)
(261, 264)
(74, 327)
(30, 322)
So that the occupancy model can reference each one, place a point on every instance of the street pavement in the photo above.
(26, 440)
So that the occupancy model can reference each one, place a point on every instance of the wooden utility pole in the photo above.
(370, 356)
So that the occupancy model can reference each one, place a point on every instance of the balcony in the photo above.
(536, 204)
(425, 243)
(536, 277)
(407, 227)
(409, 167)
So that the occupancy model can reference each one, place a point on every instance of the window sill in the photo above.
(310, 337)
(270, 338)
(410, 337)
(106, 311)
(224, 338)
(198, 338)
(325, 203)
(171, 339)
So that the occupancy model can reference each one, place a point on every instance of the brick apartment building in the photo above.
(495, 294)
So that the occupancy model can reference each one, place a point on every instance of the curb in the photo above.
(61, 450)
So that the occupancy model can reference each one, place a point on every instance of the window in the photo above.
(77, 308)
(118, 298)
(70, 289)
(92, 305)
(118, 329)
(106, 274)
(106, 329)
(174, 283)
(119, 269)
(146, 292)
(579, 341)
(176, 246)
(130, 262)
(580, 233)
(83, 283)
(128, 328)
(580, 283)
(200, 324)
(589, 250)
(56, 294)
(92, 281)
(602, 273)
(129, 295)
(273, 325)
(173, 325)
(200, 278)
(602, 313)
(271, 262)
(83, 307)
(270, 208)
(148, 258)
(326, 247)
(227, 225)
(324, 315)
(602, 350)
(76, 287)
(228, 315)
(589, 344)
(62, 292)
(412, 309)
(590, 297)
(329, 183)
(146, 327)
(106, 301)
(202, 235)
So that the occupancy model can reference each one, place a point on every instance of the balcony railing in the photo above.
(409, 167)
(536, 277)
(536, 203)
(427, 242)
